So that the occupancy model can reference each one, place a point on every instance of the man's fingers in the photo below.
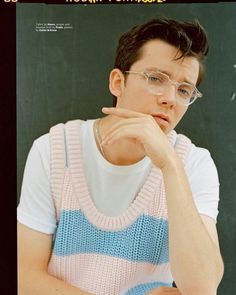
(123, 113)
(128, 123)
(122, 132)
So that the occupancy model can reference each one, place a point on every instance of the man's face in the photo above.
(158, 55)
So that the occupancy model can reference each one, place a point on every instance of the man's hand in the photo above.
(164, 291)
(144, 129)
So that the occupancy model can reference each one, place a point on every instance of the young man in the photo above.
(132, 204)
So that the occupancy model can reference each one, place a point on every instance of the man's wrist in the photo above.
(172, 163)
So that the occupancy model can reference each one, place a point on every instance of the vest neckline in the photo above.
(140, 203)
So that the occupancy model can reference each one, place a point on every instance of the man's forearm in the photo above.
(196, 263)
(40, 283)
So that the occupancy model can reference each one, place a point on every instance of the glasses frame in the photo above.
(198, 94)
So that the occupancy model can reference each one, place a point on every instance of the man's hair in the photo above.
(188, 37)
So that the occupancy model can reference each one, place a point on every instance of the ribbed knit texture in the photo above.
(125, 254)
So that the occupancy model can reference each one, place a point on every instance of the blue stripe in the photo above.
(144, 288)
(146, 240)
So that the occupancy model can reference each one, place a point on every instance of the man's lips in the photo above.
(162, 119)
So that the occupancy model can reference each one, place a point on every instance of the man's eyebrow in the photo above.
(165, 72)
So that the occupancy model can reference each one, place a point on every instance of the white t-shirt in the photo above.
(112, 187)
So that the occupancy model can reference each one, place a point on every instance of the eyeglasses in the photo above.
(158, 82)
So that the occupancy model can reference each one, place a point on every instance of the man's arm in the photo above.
(34, 250)
(164, 291)
(195, 259)
(209, 224)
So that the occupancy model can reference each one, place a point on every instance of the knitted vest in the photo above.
(125, 254)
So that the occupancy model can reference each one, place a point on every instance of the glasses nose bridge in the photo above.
(174, 83)
(172, 96)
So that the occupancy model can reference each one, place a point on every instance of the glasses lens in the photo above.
(157, 82)
(186, 92)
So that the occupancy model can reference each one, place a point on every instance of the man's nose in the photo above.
(168, 96)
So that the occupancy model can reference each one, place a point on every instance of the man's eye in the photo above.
(185, 92)
(154, 78)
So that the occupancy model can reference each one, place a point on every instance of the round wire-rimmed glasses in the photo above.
(157, 83)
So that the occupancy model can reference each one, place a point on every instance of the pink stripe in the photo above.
(102, 275)
(69, 202)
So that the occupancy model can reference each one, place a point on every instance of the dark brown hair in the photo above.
(189, 38)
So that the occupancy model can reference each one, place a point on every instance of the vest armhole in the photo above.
(58, 164)
(183, 146)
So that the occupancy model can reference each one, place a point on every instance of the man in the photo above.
(132, 205)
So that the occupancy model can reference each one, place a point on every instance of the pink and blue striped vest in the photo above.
(121, 255)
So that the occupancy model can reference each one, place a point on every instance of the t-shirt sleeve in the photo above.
(203, 177)
(36, 209)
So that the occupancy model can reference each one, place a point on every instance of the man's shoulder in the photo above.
(70, 122)
(194, 149)
(196, 154)
(42, 143)
(199, 153)
(200, 159)
(42, 140)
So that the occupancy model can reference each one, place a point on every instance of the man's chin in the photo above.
(165, 129)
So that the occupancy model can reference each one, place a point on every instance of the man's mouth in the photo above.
(162, 119)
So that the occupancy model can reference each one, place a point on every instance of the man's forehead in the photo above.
(186, 79)
(160, 47)
(159, 55)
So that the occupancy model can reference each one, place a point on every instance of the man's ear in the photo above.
(116, 82)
